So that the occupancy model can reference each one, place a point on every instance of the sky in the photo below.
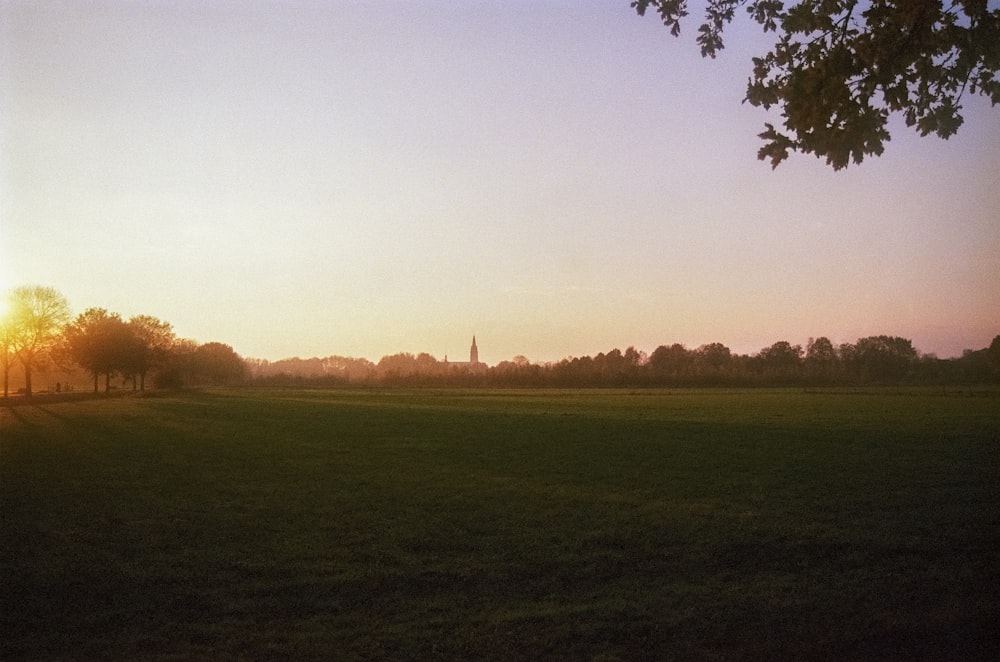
(557, 177)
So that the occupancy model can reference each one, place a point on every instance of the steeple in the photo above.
(474, 352)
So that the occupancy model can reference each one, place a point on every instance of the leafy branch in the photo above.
(840, 69)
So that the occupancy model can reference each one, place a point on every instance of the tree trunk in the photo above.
(107, 382)
(96, 375)
(27, 380)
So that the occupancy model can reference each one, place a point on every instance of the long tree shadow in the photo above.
(88, 424)
(21, 418)
(61, 417)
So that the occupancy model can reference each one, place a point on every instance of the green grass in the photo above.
(502, 525)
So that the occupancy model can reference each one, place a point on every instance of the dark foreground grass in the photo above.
(502, 525)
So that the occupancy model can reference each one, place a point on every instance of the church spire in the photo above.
(474, 352)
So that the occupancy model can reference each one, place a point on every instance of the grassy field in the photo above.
(502, 525)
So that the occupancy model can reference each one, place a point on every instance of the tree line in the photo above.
(39, 334)
(870, 360)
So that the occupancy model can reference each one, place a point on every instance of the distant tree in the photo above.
(178, 367)
(820, 352)
(993, 351)
(101, 343)
(219, 364)
(782, 354)
(821, 358)
(713, 360)
(519, 371)
(781, 360)
(426, 364)
(669, 362)
(975, 365)
(152, 341)
(396, 366)
(578, 371)
(7, 331)
(36, 316)
(840, 68)
(846, 353)
(79, 340)
(883, 358)
(258, 367)
(351, 369)
(612, 367)
(329, 370)
(635, 358)
(929, 369)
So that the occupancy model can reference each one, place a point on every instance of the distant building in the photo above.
(472, 364)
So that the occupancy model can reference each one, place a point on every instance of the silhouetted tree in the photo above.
(7, 330)
(975, 366)
(840, 68)
(519, 371)
(151, 341)
(781, 361)
(994, 356)
(100, 342)
(178, 367)
(882, 358)
(396, 366)
(330, 370)
(821, 358)
(36, 316)
(349, 369)
(713, 361)
(218, 363)
(611, 367)
(634, 361)
(425, 364)
(671, 362)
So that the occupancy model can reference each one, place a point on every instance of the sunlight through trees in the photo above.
(37, 336)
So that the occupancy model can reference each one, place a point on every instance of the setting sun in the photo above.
(500, 330)
(561, 184)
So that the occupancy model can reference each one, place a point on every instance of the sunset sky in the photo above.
(558, 177)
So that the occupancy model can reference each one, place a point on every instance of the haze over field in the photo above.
(559, 178)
